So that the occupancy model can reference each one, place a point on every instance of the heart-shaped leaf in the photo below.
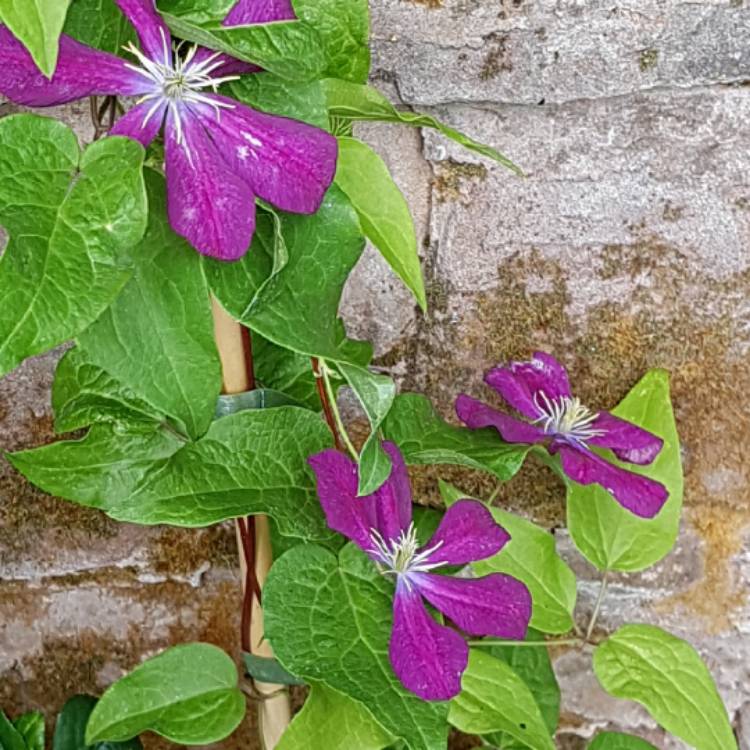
(188, 694)
(72, 220)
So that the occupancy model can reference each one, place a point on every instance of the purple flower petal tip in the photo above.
(476, 415)
(247, 12)
(640, 495)
(467, 532)
(428, 658)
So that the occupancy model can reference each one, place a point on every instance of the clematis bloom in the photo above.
(428, 658)
(540, 391)
(219, 154)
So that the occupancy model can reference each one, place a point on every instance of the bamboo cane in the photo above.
(274, 711)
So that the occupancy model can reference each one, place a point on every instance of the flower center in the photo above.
(179, 81)
(566, 416)
(401, 556)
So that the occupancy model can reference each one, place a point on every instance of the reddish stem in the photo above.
(247, 343)
(252, 587)
(327, 410)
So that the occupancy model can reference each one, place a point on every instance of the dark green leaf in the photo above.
(530, 556)
(286, 371)
(269, 670)
(329, 620)
(665, 674)
(356, 102)
(607, 534)
(344, 27)
(334, 721)
(251, 462)
(617, 741)
(270, 93)
(187, 694)
(383, 211)
(31, 727)
(376, 394)
(289, 49)
(83, 394)
(157, 338)
(70, 729)
(424, 438)
(37, 24)
(495, 699)
(10, 737)
(100, 24)
(71, 220)
(534, 667)
(297, 307)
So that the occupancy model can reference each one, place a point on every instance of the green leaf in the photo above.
(289, 49)
(331, 720)
(530, 556)
(329, 620)
(272, 94)
(359, 102)
(383, 211)
(344, 27)
(665, 674)
(608, 535)
(31, 727)
(10, 737)
(71, 220)
(618, 741)
(83, 393)
(424, 438)
(70, 729)
(251, 462)
(37, 24)
(268, 669)
(157, 338)
(494, 698)
(297, 307)
(187, 694)
(534, 667)
(376, 394)
(100, 24)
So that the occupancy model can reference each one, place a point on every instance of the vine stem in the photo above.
(597, 605)
(324, 400)
(254, 538)
(334, 407)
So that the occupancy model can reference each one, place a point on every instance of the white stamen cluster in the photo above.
(177, 80)
(400, 556)
(565, 416)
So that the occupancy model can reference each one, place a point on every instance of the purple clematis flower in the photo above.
(427, 657)
(219, 154)
(539, 389)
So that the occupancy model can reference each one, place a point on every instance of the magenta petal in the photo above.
(131, 125)
(496, 604)
(337, 481)
(427, 657)
(626, 440)
(475, 414)
(156, 41)
(259, 11)
(640, 495)
(467, 532)
(391, 503)
(285, 162)
(207, 203)
(81, 71)
(519, 382)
